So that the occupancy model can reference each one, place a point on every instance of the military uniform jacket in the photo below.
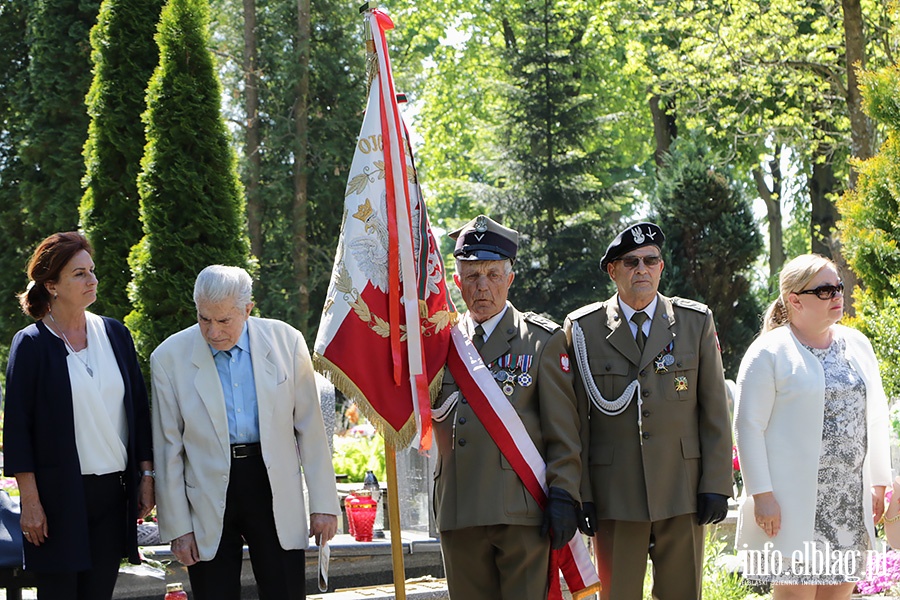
(473, 484)
(683, 445)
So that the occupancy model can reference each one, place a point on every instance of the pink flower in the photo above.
(735, 462)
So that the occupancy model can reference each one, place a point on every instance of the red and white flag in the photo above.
(385, 328)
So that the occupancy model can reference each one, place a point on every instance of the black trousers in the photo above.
(280, 574)
(105, 500)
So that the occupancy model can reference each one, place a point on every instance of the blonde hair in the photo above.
(795, 276)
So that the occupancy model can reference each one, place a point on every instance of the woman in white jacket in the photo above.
(811, 424)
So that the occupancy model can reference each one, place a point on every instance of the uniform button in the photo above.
(511, 330)
(462, 441)
(678, 364)
(646, 413)
(643, 373)
(646, 436)
(645, 393)
(464, 401)
(462, 420)
(608, 367)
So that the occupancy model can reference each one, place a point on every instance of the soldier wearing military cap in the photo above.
(495, 539)
(656, 432)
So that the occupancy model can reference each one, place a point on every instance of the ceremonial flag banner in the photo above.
(385, 329)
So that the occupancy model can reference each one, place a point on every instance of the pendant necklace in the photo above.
(69, 346)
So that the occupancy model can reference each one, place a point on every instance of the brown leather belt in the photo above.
(245, 450)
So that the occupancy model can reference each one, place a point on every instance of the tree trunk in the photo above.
(823, 214)
(823, 217)
(665, 129)
(252, 135)
(855, 53)
(301, 152)
(772, 199)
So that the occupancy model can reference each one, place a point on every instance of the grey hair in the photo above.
(507, 267)
(216, 283)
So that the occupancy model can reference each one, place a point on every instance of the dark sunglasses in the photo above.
(631, 262)
(826, 292)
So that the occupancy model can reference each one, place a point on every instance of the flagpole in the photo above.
(390, 459)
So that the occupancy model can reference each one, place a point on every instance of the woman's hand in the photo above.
(767, 512)
(878, 502)
(33, 519)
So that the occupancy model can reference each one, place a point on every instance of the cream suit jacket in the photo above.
(190, 435)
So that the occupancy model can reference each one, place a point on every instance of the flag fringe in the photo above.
(398, 439)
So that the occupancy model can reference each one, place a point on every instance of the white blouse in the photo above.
(98, 403)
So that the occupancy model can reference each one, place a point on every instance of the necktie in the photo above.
(638, 318)
(478, 338)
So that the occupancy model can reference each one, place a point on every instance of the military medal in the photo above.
(659, 364)
(508, 389)
(524, 363)
(681, 384)
(664, 359)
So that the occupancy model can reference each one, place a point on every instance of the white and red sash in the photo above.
(505, 427)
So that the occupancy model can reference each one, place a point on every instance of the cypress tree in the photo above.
(16, 246)
(870, 228)
(59, 75)
(191, 199)
(124, 56)
(44, 76)
(712, 242)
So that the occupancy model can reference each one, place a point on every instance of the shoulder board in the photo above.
(584, 310)
(691, 304)
(541, 321)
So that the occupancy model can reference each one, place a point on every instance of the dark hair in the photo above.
(45, 266)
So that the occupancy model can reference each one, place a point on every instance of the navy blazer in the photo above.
(39, 437)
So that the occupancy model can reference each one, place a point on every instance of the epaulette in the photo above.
(541, 321)
(691, 304)
(584, 310)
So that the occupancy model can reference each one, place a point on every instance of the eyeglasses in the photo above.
(826, 292)
(631, 262)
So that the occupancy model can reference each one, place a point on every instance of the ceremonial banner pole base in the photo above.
(390, 459)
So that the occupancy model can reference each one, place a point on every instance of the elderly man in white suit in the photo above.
(235, 408)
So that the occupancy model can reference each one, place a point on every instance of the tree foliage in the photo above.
(124, 57)
(336, 102)
(191, 203)
(871, 227)
(13, 91)
(711, 243)
(44, 76)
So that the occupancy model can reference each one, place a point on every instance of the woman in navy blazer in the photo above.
(77, 429)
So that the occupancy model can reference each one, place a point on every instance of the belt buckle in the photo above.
(239, 451)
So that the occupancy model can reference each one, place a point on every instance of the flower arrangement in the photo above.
(882, 573)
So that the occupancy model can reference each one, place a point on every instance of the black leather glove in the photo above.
(560, 517)
(587, 519)
(711, 508)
